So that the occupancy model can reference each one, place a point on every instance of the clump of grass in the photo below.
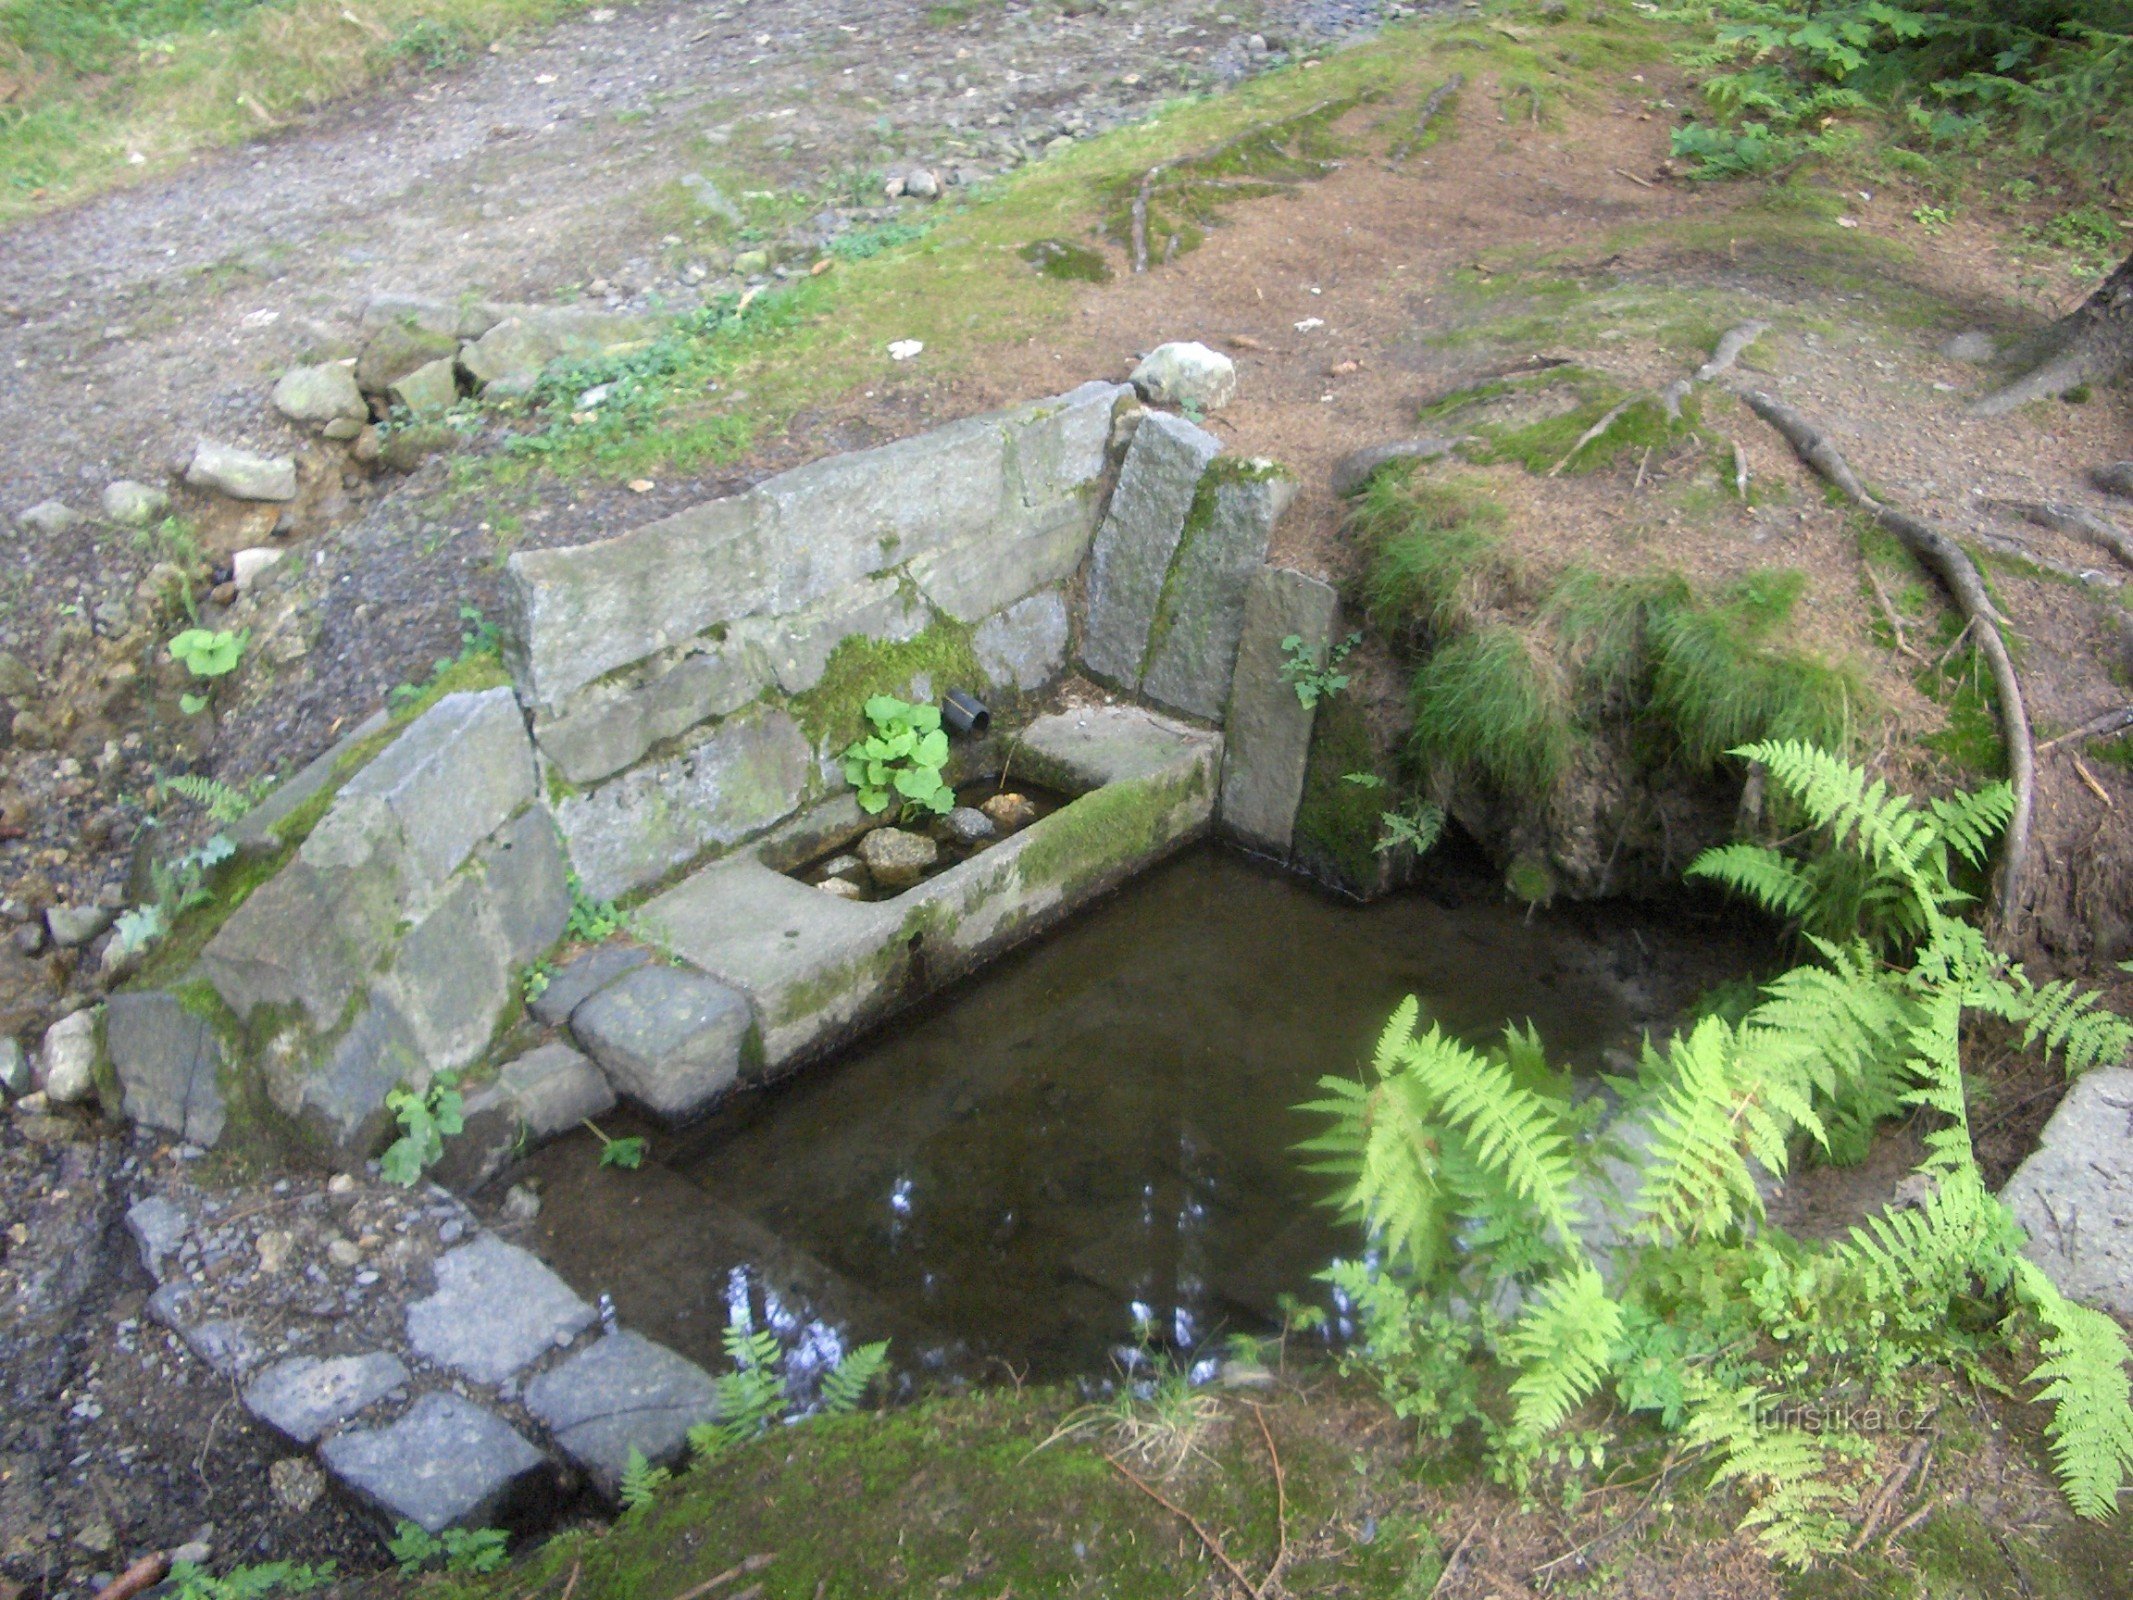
(1605, 626)
(1717, 684)
(1160, 1423)
(1494, 702)
(1436, 551)
(1069, 262)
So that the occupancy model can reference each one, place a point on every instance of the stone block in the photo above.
(167, 1062)
(496, 1310)
(451, 977)
(241, 474)
(2074, 1195)
(303, 1396)
(1025, 646)
(672, 1041)
(447, 1463)
(608, 727)
(735, 781)
(545, 1092)
(342, 1098)
(578, 980)
(973, 580)
(1267, 732)
(320, 394)
(396, 348)
(1086, 748)
(312, 934)
(258, 829)
(430, 390)
(452, 778)
(799, 646)
(526, 885)
(510, 355)
(622, 1394)
(1138, 537)
(1192, 645)
(159, 1228)
(1058, 449)
(575, 615)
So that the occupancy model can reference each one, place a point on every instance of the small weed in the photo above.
(427, 1118)
(1312, 681)
(592, 921)
(534, 981)
(1934, 219)
(469, 1550)
(641, 1482)
(627, 1154)
(1161, 1422)
(1071, 263)
(207, 655)
(254, 1582)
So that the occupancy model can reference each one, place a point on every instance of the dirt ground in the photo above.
(137, 322)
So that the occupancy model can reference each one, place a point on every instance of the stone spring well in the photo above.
(669, 738)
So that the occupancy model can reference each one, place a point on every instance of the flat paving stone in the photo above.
(304, 1396)
(2074, 1195)
(624, 1393)
(496, 1309)
(447, 1463)
(577, 981)
(669, 1039)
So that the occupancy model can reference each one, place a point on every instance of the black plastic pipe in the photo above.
(965, 713)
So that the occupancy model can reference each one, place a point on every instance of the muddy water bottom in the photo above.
(1090, 1147)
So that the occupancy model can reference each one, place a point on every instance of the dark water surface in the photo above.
(1093, 1140)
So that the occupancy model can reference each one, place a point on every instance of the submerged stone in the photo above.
(897, 859)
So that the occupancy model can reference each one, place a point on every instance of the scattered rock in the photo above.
(669, 1039)
(846, 866)
(521, 1204)
(159, 1230)
(321, 394)
(97, 1537)
(344, 1252)
(1353, 472)
(168, 1064)
(447, 1463)
(398, 348)
(429, 390)
(247, 565)
(74, 926)
(841, 889)
(297, 1485)
(240, 474)
(274, 1246)
(622, 1394)
(1186, 374)
(302, 1397)
(1010, 812)
(510, 356)
(14, 1067)
(2117, 478)
(52, 517)
(966, 826)
(496, 1309)
(134, 505)
(1973, 348)
(67, 1064)
(897, 859)
(17, 682)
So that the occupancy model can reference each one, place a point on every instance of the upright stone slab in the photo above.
(620, 1395)
(1268, 729)
(611, 726)
(302, 1397)
(496, 1309)
(1139, 535)
(446, 1464)
(168, 1063)
(453, 777)
(451, 977)
(670, 1040)
(2074, 1195)
(1025, 646)
(735, 781)
(1192, 644)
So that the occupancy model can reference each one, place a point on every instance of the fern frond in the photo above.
(218, 799)
(2068, 1020)
(1782, 1467)
(1756, 872)
(1713, 1107)
(2084, 1374)
(1968, 823)
(1837, 796)
(846, 1384)
(641, 1481)
(1561, 1342)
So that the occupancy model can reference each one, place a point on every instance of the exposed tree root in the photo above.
(1728, 350)
(2020, 550)
(1593, 433)
(2093, 344)
(1428, 114)
(1947, 561)
(2074, 522)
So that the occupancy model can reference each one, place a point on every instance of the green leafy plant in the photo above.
(592, 921)
(475, 1550)
(207, 655)
(1480, 1187)
(427, 1118)
(221, 801)
(1312, 680)
(755, 1395)
(253, 1582)
(534, 980)
(1417, 826)
(175, 888)
(900, 762)
(641, 1482)
(626, 1153)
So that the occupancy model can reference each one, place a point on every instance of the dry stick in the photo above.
(2108, 722)
(1444, 1573)
(1740, 469)
(570, 1588)
(144, 1574)
(1954, 645)
(1621, 172)
(2082, 772)
(752, 1564)
(1281, 1504)
(1591, 434)
(1885, 1500)
(1888, 614)
(2072, 521)
(1946, 560)
(1214, 1547)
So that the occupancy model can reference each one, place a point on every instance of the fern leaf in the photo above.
(846, 1384)
(1794, 1511)
(1755, 872)
(1561, 1342)
(1713, 1106)
(2084, 1378)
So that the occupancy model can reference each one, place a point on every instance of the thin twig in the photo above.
(1616, 1530)
(1888, 614)
(1591, 434)
(1624, 172)
(1887, 1497)
(752, 1564)
(1214, 1546)
(1638, 486)
(2107, 722)
(571, 1588)
(1281, 1504)
(1954, 645)
(2082, 772)
(143, 1575)
(1444, 1573)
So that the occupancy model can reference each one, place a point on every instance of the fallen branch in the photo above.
(751, 1564)
(2072, 521)
(2106, 722)
(1214, 1546)
(1623, 172)
(1890, 1495)
(1740, 469)
(143, 1575)
(1444, 1573)
(1281, 1506)
(1888, 614)
(1730, 346)
(2082, 772)
(1591, 434)
(1948, 561)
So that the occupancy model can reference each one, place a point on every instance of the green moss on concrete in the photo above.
(860, 668)
(474, 670)
(1338, 822)
(1122, 822)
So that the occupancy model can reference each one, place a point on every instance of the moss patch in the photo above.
(860, 668)
(1121, 822)
(1067, 262)
(1337, 822)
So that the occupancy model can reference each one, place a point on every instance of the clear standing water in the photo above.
(1092, 1143)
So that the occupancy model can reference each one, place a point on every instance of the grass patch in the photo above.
(1066, 261)
(1494, 702)
(96, 85)
(1436, 551)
